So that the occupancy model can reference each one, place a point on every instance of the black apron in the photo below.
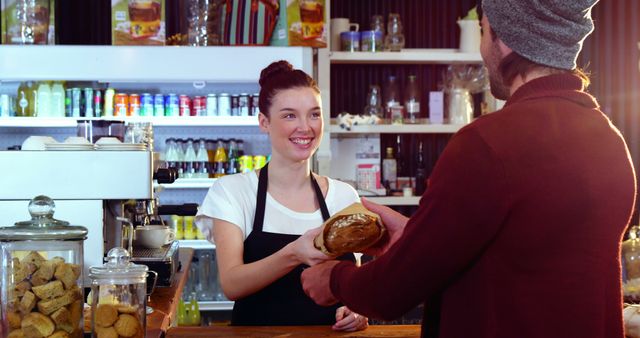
(283, 302)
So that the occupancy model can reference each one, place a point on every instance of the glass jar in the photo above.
(118, 296)
(631, 266)
(41, 277)
(394, 40)
(27, 22)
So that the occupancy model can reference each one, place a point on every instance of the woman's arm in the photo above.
(238, 279)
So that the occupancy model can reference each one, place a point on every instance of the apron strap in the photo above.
(261, 198)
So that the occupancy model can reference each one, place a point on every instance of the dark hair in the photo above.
(281, 75)
(515, 64)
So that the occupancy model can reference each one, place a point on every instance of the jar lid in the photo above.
(118, 266)
(42, 225)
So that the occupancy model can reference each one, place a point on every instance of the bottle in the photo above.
(23, 108)
(412, 100)
(389, 170)
(394, 41)
(189, 159)
(374, 102)
(194, 311)
(44, 100)
(220, 159)
(182, 313)
(109, 95)
(189, 228)
(391, 95)
(232, 158)
(202, 160)
(57, 100)
(180, 164)
(421, 171)
(399, 156)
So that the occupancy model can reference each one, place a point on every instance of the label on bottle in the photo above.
(23, 103)
(413, 107)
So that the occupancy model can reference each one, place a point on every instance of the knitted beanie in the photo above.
(548, 32)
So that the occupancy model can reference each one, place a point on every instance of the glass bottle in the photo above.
(412, 100)
(399, 156)
(23, 106)
(193, 314)
(180, 163)
(631, 266)
(232, 158)
(182, 313)
(57, 99)
(421, 171)
(377, 24)
(391, 95)
(189, 159)
(44, 100)
(205, 289)
(394, 41)
(220, 159)
(389, 170)
(374, 102)
(202, 160)
(28, 22)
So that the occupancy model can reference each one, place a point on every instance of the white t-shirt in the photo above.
(233, 199)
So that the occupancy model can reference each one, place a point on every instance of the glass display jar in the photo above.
(631, 266)
(41, 276)
(118, 297)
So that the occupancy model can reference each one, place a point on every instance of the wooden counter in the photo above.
(164, 301)
(373, 331)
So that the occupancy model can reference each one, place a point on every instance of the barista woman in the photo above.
(263, 222)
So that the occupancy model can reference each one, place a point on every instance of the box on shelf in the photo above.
(42, 23)
(301, 23)
(137, 22)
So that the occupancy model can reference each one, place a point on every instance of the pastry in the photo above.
(106, 332)
(19, 271)
(14, 320)
(62, 319)
(33, 258)
(43, 275)
(352, 229)
(127, 309)
(127, 325)
(50, 290)
(57, 261)
(59, 334)
(16, 334)
(47, 307)
(75, 310)
(68, 274)
(21, 288)
(28, 302)
(106, 315)
(37, 325)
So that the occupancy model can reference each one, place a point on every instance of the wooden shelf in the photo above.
(407, 56)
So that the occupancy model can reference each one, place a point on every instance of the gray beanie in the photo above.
(548, 32)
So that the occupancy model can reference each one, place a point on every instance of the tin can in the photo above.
(172, 105)
(109, 95)
(212, 105)
(146, 104)
(97, 103)
(76, 101)
(121, 105)
(255, 105)
(67, 103)
(185, 105)
(199, 106)
(246, 163)
(134, 105)
(235, 105)
(259, 161)
(224, 105)
(88, 102)
(5, 105)
(158, 105)
(243, 104)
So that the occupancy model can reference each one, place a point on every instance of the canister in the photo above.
(371, 41)
(350, 41)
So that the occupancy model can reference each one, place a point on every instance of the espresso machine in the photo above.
(90, 188)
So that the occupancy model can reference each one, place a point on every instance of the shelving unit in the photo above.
(357, 130)
(159, 121)
(196, 244)
(216, 305)
(406, 56)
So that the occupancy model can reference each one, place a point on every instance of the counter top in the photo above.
(373, 331)
(164, 301)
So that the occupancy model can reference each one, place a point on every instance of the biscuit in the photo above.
(27, 302)
(106, 332)
(43, 275)
(127, 309)
(19, 271)
(75, 310)
(33, 258)
(62, 319)
(67, 274)
(37, 325)
(50, 290)
(59, 334)
(16, 334)
(127, 325)
(14, 320)
(48, 307)
(106, 315)
(56, 261)
(21, 288)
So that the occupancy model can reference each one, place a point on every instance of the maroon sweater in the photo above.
(518, 234)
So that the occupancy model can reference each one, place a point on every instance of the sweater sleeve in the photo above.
(459, 215)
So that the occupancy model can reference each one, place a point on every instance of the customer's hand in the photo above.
(393, 221)
(315, 283)
(303, 250)
(347, 320)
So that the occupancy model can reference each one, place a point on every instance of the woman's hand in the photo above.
(347, 320)
(304, 251)
(393, 221)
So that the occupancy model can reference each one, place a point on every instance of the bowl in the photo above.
(108, 140)
(37, 142)
(76, 140)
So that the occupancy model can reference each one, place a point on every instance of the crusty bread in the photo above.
(37, 325)
(352, 229)
(28, 302)
(62, 319)
(48, 291)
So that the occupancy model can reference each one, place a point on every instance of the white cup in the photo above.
(153, 236)
(339, 25)
(469, 36)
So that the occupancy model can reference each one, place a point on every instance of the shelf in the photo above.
(432, 56)
(395, 200)
(156, 121)
(196, 244)
(396, 129)
(188, 183)
(215, 305)
(146, 63)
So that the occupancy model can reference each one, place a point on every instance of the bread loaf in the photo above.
(352, 229)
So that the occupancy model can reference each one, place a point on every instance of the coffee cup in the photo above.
(153, 236)
(339, 25)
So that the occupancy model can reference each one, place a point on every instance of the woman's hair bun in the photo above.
(273, 70)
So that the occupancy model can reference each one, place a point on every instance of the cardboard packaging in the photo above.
(138, 22)
(301, 23)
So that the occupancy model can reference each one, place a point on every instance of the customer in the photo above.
(518, 233)
(257, 227)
